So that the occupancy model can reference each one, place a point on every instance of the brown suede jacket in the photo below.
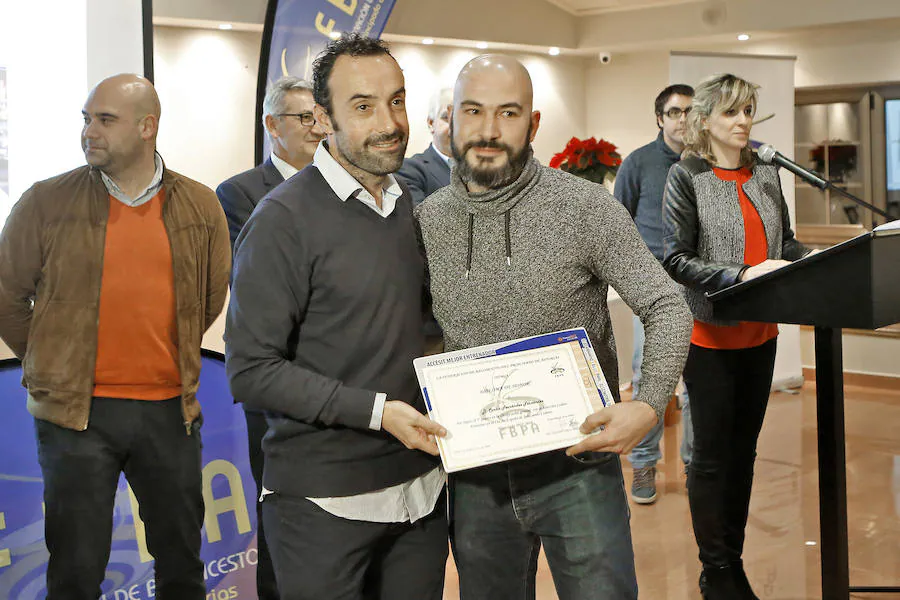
(51, 263)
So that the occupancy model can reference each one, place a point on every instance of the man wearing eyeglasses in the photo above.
(640, 183)
(294, 136)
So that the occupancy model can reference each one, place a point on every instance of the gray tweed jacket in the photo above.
(703, 229)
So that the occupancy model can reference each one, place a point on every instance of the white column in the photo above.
(55, 51)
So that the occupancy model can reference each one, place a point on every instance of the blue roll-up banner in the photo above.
(297, 30)
(229, 531)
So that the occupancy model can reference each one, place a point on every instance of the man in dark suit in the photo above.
(294, 135)
(430, 170)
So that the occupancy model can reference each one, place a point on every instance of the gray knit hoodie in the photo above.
(537, 256)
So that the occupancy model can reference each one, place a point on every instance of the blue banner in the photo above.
(297, 30)
(229, 531)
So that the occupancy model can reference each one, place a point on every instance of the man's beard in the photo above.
(372, 162)
(487, 176)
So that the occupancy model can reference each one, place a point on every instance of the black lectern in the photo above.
(854, 284)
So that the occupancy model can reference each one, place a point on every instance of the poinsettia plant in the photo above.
(591, 159)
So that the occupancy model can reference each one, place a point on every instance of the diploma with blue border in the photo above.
(512, 399)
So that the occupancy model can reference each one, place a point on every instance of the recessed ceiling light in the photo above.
(225, 26)
(334, 35)
(810, 543)
(481, 45)
(428, 41)
(554, 51)
(743, 37)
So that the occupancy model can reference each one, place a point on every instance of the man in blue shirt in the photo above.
(640, 184)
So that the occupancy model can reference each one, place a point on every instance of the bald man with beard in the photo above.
(109, 275)
(516, 249)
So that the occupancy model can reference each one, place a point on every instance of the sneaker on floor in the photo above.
(643, 487)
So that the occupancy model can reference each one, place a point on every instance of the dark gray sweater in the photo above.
(325, 311)
(540, 255)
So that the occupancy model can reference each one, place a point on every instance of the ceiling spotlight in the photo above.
(225, 26)
(743, 37)
(481, 45)
(428, 41)
(554, 51)
(810, 543)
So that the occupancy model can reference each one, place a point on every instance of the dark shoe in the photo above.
(740, 580)
(717, 583)
(643, 487)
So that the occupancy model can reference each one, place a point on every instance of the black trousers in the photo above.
(266, 588)
(319, 556)
(147, 441)
(729, 391)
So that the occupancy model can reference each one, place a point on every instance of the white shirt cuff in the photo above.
(377, 411)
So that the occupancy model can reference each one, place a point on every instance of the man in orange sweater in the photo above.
(109, 275)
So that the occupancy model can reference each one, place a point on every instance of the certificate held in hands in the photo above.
(512, 399)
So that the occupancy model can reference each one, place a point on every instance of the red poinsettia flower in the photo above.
(591, 159)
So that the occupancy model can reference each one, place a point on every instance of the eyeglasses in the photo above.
(675, 113)
(306, 119)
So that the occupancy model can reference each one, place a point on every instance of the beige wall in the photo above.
(863, 353)
(685, 26)
(207, 84)
(620, 97)
(523, 21)
(869, 59)
(532, 22)
(206, 81)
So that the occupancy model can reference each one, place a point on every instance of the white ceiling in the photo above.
(595, 7)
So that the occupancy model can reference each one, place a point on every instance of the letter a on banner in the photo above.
(297, 30)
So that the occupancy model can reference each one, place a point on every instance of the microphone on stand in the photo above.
(768, 154)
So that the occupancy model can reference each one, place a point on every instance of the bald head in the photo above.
(121, 121)
(130, 90)
(493, 121)
(497, 72)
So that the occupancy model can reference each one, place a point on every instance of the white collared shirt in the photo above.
(345, 186)
(149, 192)
(443, 156)
(286, 169)
(416, 498)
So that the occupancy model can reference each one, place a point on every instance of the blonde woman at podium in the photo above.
(725, 221)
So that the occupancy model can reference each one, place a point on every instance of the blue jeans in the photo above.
(647, 453)
(503, 513)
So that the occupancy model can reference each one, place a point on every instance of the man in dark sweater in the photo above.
(516, 249)
(639, 187)
(323, 325)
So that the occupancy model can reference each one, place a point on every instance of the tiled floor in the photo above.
(781, 555)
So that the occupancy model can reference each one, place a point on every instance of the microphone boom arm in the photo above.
(859, 201)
